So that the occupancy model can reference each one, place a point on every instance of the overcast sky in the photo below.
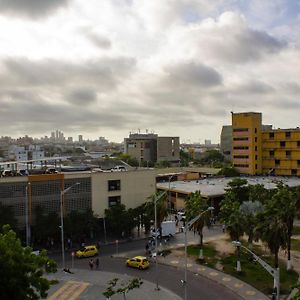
(175, 67)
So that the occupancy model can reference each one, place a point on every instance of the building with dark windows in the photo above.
(150, 147)
(259, 149)
(96, 191)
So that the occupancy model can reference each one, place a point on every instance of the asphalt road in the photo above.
(168, 276)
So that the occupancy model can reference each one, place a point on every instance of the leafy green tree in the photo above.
(161, 207)
(271, 228)
(233, 219)
(297, 295)
(239, 188)
(22, 272)
(249, 211)
(212, 156)
(123, 288)
(185, 158)
(259, 193)
(286, 201)
(229, 172)
(7, 216)
(119, 220)
(45, 226)
(162, 164)
(194, 205)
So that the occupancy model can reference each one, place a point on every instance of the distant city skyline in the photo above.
(107, 68)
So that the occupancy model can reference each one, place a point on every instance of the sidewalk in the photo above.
(86, 284)
(239, 287)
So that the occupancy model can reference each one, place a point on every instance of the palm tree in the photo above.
(232, 217)
(272, 229)
(194, 205)
(249, 211)
(161, 207)
(287, 203)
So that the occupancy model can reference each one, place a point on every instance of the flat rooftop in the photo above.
(214, 187)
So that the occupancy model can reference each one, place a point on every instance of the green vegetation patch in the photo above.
(295, 244)
(209, 252)
(254, 274)
(296, 230)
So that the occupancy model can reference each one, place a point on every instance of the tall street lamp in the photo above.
(62, 221)
(273, 272)
(169, 192)
(186, 228)
(158, 197)
(28, 233)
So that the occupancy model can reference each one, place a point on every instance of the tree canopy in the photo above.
(21, 271)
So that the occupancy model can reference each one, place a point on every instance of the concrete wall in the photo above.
(136, 187)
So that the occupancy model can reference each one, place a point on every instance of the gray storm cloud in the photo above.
(31, 8)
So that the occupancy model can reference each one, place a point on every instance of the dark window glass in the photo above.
(240, 139)
(288, 153)
(241, 147)
(114, 200)
(272, 152)
(288, 134)
(255, 139)
(241, 156)
(114, 185)
(241, 165)
(277, 162)
(240, 129)
(282, 144)
(271, 135)
(294, 171)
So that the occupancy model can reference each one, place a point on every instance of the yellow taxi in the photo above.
(87, 251)
(139, 262)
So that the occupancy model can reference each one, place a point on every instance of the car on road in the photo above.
(139, 262)
(87, 251)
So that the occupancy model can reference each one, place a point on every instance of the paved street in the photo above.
(169, 276)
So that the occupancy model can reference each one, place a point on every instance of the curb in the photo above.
(258, 294)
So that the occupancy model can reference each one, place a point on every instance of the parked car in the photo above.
(51, 171)
(87, 251)
(139, 262)
(7, 173)
(119, 168)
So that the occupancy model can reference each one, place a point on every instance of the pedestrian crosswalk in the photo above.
(71, 290)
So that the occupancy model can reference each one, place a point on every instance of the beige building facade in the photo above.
(131, 188)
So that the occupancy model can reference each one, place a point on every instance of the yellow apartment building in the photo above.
(247, 142)
(262, 150)
(281, 152)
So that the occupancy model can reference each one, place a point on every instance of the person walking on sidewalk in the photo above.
(91, 264)
(97, 263)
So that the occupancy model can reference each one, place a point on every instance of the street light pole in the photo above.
(186, 227)
(62, 221)
(275, 273)
(155, 230)
(169, 192)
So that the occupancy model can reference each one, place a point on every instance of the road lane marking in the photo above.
(69, 291)
(79, 291)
